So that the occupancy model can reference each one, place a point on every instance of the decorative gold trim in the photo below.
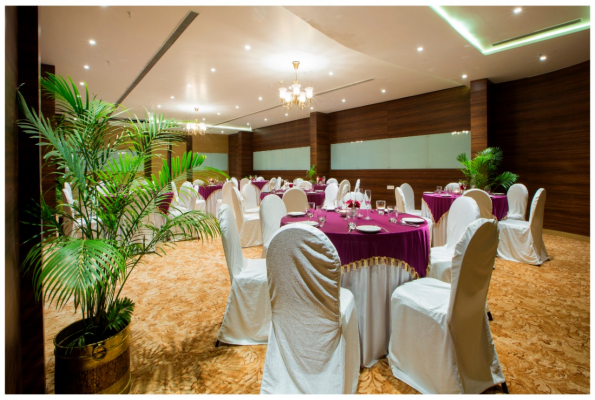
(368, 262)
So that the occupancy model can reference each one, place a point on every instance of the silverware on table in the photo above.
(384, 229)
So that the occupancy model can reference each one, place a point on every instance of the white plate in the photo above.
(413, 220)
(296, 214)
(330, 208)
(319, 191)
(428, 192)
(311, 223)
(368, 228)
(498, 194)
(446, 195)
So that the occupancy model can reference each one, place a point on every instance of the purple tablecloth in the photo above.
(315, 197)
(439, 205)
(163, 201)
(205, 191)
(319, 187)
(405, 243)
(259, 184)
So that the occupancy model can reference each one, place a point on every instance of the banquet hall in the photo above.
(313, 199)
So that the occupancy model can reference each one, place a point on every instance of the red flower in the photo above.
(349, 203)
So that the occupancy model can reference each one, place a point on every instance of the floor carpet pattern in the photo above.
(541, 325)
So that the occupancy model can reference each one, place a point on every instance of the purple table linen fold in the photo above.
(319, 187)
(259, 184)
(206, 191)
(439, 205)
(405, 243)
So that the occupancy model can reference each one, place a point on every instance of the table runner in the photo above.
(315, 197)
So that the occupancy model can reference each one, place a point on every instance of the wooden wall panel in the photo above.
(282, 136)
(210, 143)
(233, 151)
(241, 154)
(320, 148)
(480, 93)
(362, 123)
(543, 125)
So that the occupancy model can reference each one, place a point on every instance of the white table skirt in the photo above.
(372, 288)
(212, 201)
(439, 227)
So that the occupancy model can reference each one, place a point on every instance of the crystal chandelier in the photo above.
(195, 127)
(292, 95)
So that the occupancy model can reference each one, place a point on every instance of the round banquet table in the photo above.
(436, 206)
(319, 187)
(315, 197)
(372, 266)
(211, 194)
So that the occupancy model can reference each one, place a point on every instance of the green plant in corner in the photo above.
(90, 246)
(481, 170)
(310, 173)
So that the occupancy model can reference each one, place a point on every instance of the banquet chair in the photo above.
(269, 186)
(357, 196)
(330, 195)
(279, 183)
(297, 182)
(452, 186)
(410, 200)
(332, 180)
(243, 182)
(248, 224)
(314, 343)
(441, 341)
(517, 197)
(201, 203)
(522, 241)
(250, 197)
(247, 318)
(226, 192)
(463, 212)
(68, 189)
(260, 179)
(235, 181)
(344, 188)
(402, 208)
(198, 182)
(72, 225)
(483, 201)
(305, 185)
(272, 209)
(295, 200)
(356, 186)
(186, 203)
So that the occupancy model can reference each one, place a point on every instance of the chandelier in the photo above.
(195, 127)
(292, 95)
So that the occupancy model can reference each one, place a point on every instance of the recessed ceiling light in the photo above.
(172, 97)
(247, 47)
(218, 113)
(383, 91)
(91, 42)
(420, 49)
(286, 114)
(330, 73)
(260, 98)
(86, 67)
(189, 85)
(343, 100)
(158, 105)
(82, 83)
(464, 76)
(517, 10)
(543, 57)
(237, 106)
(213, 70)
(221, 131)
(203, 119)
(311, 108)
(248, 123)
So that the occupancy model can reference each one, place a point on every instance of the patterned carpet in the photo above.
(541, 325)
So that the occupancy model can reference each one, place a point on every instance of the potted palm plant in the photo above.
(90, 246)
(481, 170)
(310, 174)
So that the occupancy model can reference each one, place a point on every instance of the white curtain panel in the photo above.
(332, 180)
(247, 318)
(330, 195)
(452, 186)
(522, 241)
(344, 188)
(295, 200)
(314, 343)
(462, 213)
(409, 199)
(272, 209)
(305, 185)
(250, 195)
(483, 201)
(441, 341)
(517, 197)
(248, 224)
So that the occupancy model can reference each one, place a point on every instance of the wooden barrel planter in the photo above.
(102, 367)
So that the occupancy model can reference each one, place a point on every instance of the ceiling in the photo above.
(378, 45)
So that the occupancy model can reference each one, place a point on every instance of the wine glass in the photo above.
(368, 201)
(357, 194)
(380, 206)
(321, 214)
(310, 209)
(438, 189)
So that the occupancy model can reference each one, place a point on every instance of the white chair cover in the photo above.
(272, 209)
(269, 186)
(248, 224)
(314, 341)
(295, 200)
(357, 197)
(260, 179)
(522, 241)
(297, 182)
(344, 188)
(176, 198)
(68, 189)
(452, 186)
(330, 195)
(517, 197)
(72, 227)
(402, 208)
(198, 182)
(305, 185)
(440, 339)
(244, 182)
(279, 183)
(247, 318)
(483, 201)
(235, 181)
(409, 199)
(356, 186)
(187, 196)
(250, 197)
(462, 213)
(226, 194)
(332, 180)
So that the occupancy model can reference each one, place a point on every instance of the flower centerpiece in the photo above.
(97, 234)
(353, 203)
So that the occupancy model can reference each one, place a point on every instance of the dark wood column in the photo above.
(240, 154)
(25, 360)
(320, 149)
(48, 173)
(480, 90)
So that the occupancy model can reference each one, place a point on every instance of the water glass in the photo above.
(352, 217)
(380, 206)
(321, 214)
(310, 210)
(438, 189)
